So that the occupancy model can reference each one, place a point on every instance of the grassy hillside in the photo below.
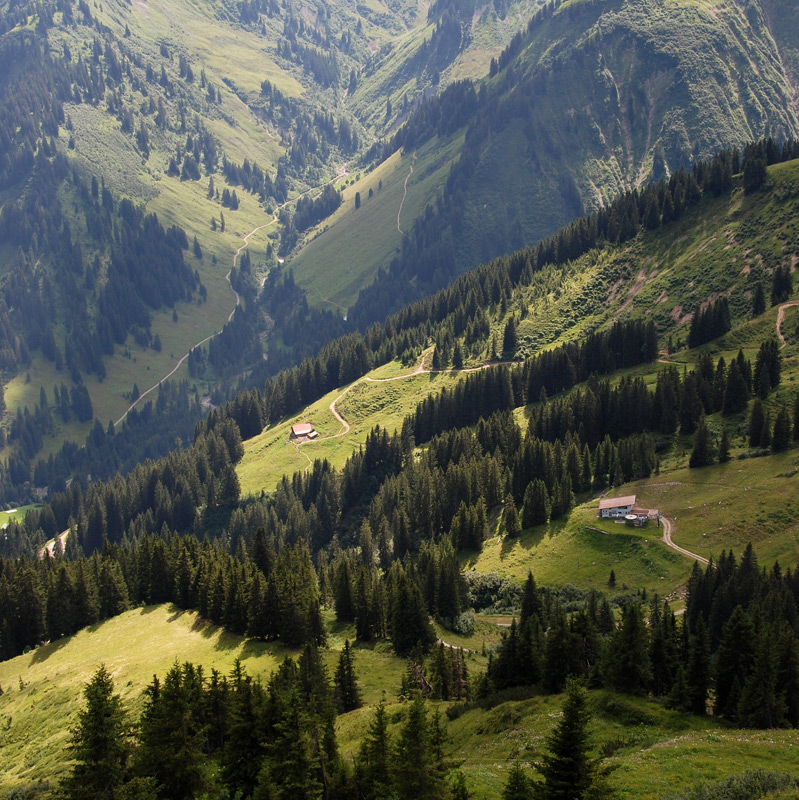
(654, 751)
(595, 99)
(212, 59)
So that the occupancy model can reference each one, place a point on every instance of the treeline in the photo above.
(229, 734)
(432, 254)
(267, 596)
(736, 651)
(168, 492)
(709, 323)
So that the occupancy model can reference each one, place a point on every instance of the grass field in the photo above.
(42, 689)
(654, 751)
(344, 252)
(574, 551)
(270, 455)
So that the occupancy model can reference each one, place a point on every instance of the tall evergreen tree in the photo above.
(698, 675)
(415, 774)
(701, 455)
(628, 667)
(568, 772)
(100, 743)
(373, 766)
(346, 694)
(518, 786)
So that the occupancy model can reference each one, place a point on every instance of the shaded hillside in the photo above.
(592, 100)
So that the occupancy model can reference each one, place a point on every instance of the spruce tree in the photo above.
(518, 786)
(346, 694)
(510, 518)
(758, 300)
(373, 766)
(415, 773)
(701, 454)
(724, 447)
(99, 743)
(734, 659)
(796, 418)
(697, 675)
(628, 667)
(568, 772)
(781, 436)
(762, 704)
(757, 418)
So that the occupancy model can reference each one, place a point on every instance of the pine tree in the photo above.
(536, 507)
(796, 418)
(757, 419)
(373, 767)
(415, 772)
(762, 704)
(518, 786)
(510, 518)
(697, 675)
(701, 454)
(781, 436)
(628, 669)
(734, 659)
(568, 772)
(724, 447)
(531, 602)
(758, 300)
(509, 337)
(99, 743)
(346, 694)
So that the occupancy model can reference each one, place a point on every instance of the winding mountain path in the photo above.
(404, 194)
(420, 370)
(781, 318)
(668, 527)
(246, 240)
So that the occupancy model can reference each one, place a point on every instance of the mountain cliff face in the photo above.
(595, 99)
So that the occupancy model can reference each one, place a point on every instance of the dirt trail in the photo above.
(667, 540)
(781, 319)
(404, 194)
(49, 548)
(420, 370)
(178, 365)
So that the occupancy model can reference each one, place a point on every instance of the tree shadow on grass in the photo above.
(44, 651)
(528, 540)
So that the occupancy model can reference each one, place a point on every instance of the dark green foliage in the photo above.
(509, 337)
(781, 285)
(518, 786)
(100, 743)
(709, 323)
(758, 300)
(416, 774)
(734, 660)
(170, 736)
(628, 666)
(697, 675)
(702, 453)
(408, 616)
(510, 518)
(796, 418)
(568, 772)
(374, 763)
(736, 391)
(781, 435)
(757, 422)
(347, 696)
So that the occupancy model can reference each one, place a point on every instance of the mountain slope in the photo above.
(595, 98)
(212, 116)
